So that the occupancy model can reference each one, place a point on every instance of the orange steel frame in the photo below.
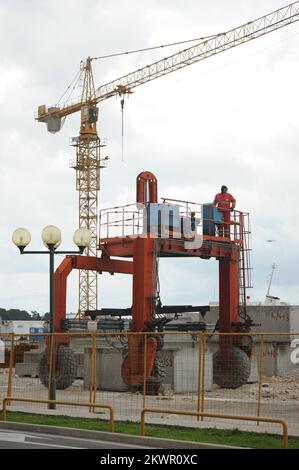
(143, 268)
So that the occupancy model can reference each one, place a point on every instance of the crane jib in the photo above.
(207, 48)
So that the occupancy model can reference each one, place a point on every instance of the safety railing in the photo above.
(7, 400)
(121, 221)
(216, 415)
(175, 218)
(170, 219)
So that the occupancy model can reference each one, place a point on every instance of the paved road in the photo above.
(30, 440)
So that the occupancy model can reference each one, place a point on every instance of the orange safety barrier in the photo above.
(60, 402)
(216, 415)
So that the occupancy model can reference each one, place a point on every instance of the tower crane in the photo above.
(88, 162)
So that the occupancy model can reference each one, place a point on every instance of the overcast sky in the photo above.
(231, 119)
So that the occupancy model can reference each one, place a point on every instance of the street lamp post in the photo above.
(51, 237)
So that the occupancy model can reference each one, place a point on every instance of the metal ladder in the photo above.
(245, 269)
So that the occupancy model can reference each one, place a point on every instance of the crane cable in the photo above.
(134, 51)
(146, 49)
(122, 102)
(75, 81)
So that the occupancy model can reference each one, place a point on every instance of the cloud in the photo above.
(230, 120)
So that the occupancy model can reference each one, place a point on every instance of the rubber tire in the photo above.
(66, 371)
(246, 347)
(159, 369)
(231, 371)
(160, 341)
(159, 372)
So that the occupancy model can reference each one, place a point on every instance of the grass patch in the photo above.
(232, 437)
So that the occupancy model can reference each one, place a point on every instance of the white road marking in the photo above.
(51, 445)
(12, 436)
(25, 439)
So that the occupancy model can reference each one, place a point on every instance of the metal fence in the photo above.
(234, 374)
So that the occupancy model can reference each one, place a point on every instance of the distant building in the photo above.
(21, 327)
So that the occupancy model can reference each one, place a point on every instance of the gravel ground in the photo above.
(273, 388)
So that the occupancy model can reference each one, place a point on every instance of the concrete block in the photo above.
(273, 319)
(24, 369)
(294, 319)
(80, 358)
(268, 361)
(32, 356)
(108, 369)
(284, 364)
(181, 367)
(80, 371)
(186, 366)
(276, 360)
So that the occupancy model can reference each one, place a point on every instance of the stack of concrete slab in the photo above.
(29, 367)
(180, 353)
(181, 356)
(271, 318)
(280, 325)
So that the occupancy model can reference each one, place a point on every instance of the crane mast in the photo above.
(88, 162)
(87, 166)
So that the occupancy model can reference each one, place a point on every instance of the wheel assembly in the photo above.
(65, 370)
(159, 369)
(160, 341)
(231, 367)
(153, 383)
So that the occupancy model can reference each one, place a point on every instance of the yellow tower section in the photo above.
(87, 168)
